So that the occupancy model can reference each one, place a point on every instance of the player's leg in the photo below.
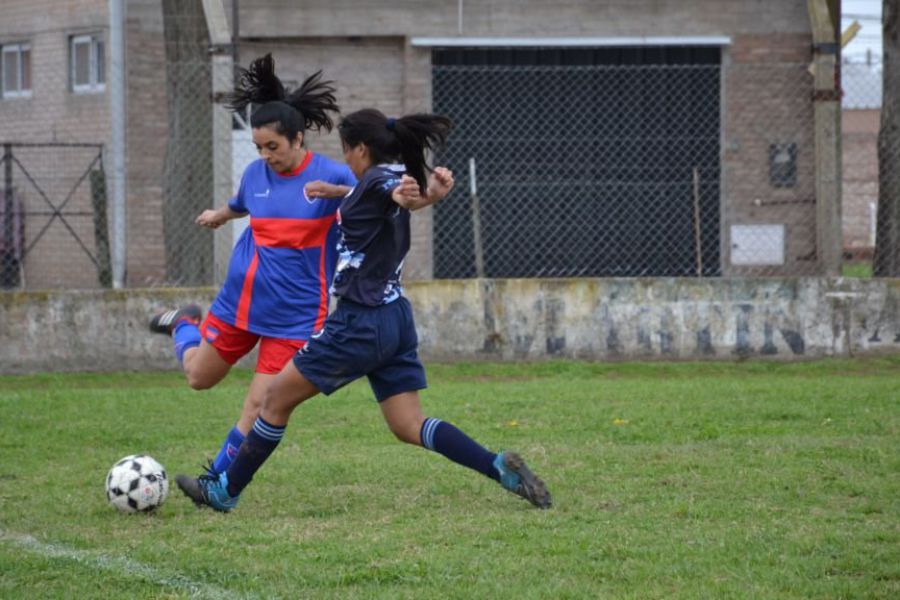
(274, 353)
(204, 366)
(403, 414)
(326, 363)
(396, 384)
(286, 391)
(249, 412)
(202, 363)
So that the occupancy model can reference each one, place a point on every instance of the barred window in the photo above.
(16, 70)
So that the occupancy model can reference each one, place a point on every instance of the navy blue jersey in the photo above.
(374, 239)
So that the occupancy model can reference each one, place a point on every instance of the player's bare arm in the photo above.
(323, 189)
(215, 218)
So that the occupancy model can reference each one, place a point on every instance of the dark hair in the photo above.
(291, 112)
(406, 138)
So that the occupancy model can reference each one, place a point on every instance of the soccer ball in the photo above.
(137, 483)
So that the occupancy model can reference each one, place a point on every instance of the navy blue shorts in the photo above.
(379, 342)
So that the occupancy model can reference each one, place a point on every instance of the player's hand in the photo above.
(407, 194)
(210, 218)
(440, 182)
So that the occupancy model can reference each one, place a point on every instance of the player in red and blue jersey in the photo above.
(275, 294)
(371, 332)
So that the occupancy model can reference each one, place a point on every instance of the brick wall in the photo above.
(767, 101)
(860, 177)
(54, 114)
(147, 122)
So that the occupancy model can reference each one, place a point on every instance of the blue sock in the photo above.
(260, 443)
(228, 451)
(446, 439)
(186, 335)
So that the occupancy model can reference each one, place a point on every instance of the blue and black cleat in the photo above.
(208, 490)
(516, 477)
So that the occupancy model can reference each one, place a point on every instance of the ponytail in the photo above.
(417, 134)
(406, 139)
(291, 112)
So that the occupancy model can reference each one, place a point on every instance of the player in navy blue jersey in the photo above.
(371, 331)
(275, 295)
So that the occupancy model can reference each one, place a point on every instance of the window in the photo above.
(88, 64)
(16, 70)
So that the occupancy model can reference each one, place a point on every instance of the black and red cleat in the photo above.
(165, 321)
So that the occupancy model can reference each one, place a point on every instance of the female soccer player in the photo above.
(371, 332)
(276, 290)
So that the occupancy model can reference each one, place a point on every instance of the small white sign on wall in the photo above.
(757, 244)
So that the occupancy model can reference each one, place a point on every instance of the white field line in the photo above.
(117, 564)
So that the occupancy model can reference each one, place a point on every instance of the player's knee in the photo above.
(406, 431)
(199, 382)
(274, 403)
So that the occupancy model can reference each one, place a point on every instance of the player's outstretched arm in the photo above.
(215, 218)
(323, 189)
(409, 196)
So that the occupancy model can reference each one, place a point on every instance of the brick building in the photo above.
(742, 147)
(861, 121)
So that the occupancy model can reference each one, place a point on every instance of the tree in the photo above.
(887, 244)
(187, 173)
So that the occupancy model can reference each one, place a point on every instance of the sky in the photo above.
(868, 13)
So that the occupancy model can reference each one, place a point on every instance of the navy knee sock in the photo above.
(259, 444)
(446, 439)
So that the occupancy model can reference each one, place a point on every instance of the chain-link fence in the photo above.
(570, 162)
(860, 124)
(54, 217)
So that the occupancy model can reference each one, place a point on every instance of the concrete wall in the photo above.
(526, 319)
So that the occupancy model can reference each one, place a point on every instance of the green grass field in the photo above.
(707, 480)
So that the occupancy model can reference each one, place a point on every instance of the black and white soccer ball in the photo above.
(137, 483)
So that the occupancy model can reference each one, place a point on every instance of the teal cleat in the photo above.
(516, 477)
(208, 490)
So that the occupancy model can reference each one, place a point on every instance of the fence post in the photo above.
(827, 107)
(222, 51)
(117, 126)
(101, 227)
(7, 196)
(9, 265)
(476, 221)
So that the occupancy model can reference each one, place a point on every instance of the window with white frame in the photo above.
(15, 70)
(87, 63)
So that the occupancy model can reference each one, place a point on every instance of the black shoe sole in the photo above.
(191, 489)
(531, 487)
(190, 311)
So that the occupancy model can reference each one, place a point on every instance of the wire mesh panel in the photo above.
(861, 123)
(54, 225)
(602, 163)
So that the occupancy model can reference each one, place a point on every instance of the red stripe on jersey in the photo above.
(299, 168)
(323, 288)
(291, 233)
(242, 318)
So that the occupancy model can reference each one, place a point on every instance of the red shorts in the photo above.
(232, 344)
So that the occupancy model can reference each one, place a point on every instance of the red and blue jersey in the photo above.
(283, 263)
